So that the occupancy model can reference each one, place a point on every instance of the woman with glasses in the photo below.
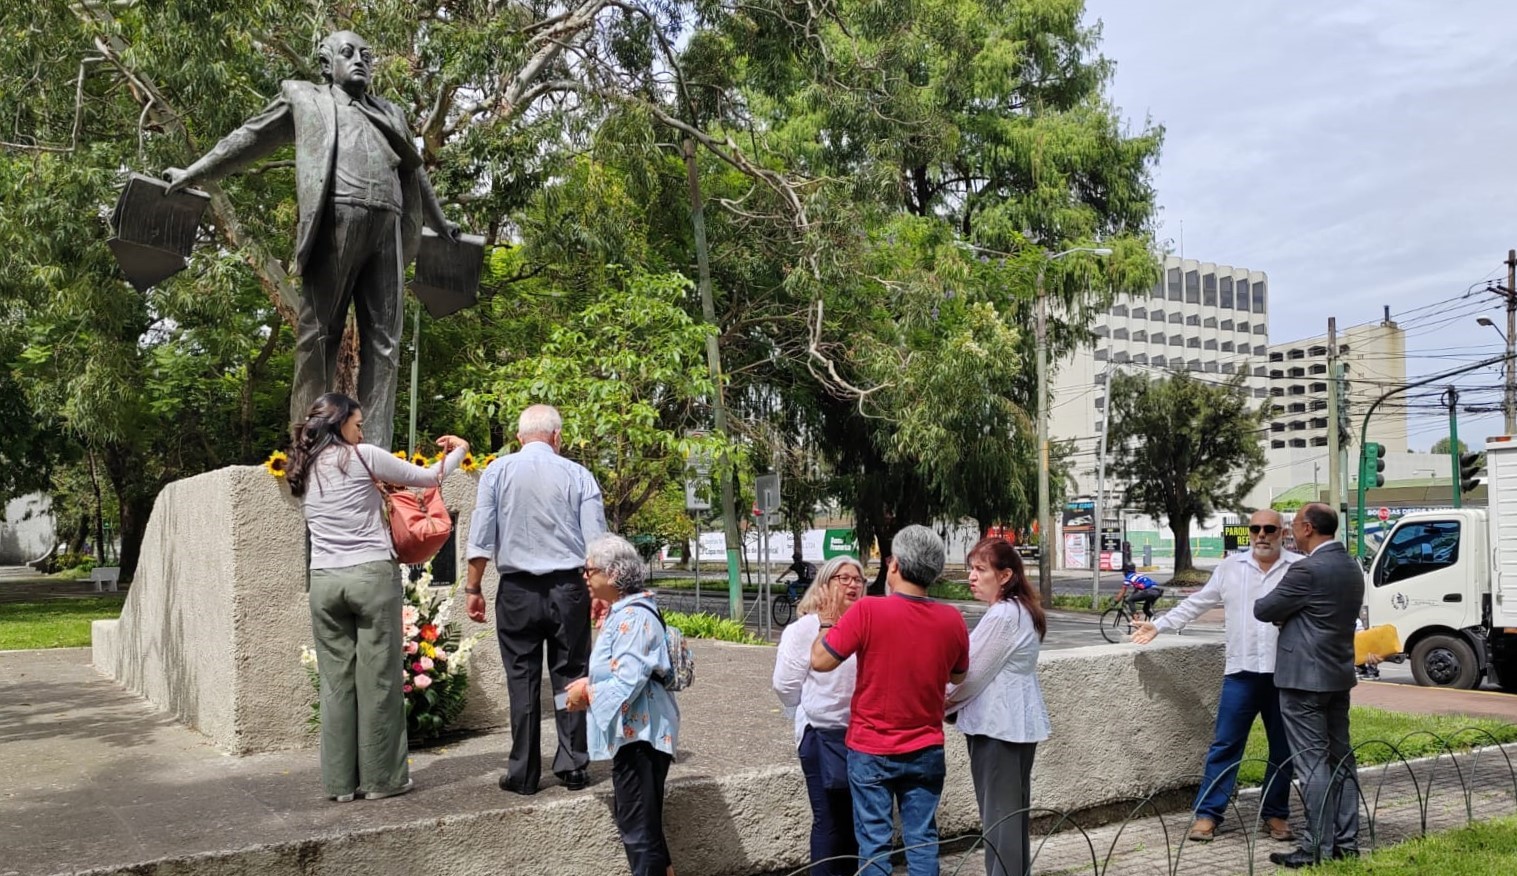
(819, 702)
(999, 705)
(355, 594)
(633, 719)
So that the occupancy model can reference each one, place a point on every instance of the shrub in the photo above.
(709, 626)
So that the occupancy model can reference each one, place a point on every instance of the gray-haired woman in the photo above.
(633, 720)
(820, 702)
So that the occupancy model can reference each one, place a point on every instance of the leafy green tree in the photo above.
(1442, 446)
(1184, 448)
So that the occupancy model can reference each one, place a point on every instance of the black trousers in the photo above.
(358, 262)
(831, 808)
(638, 772)
(531, 612)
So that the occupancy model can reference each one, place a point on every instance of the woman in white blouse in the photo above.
(999, 706)
(819, 702)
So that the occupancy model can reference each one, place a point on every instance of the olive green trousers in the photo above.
(355, 618)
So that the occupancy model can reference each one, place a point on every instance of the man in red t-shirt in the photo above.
(909, 648)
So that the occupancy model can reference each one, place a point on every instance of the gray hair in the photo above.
(620, 561)
(812, 601)
(539, 420)
(919, 555)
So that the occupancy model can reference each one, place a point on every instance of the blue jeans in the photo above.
(914, 782)
(1245, 696)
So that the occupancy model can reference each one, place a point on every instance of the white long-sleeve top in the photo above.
(820, 699)
(1235, 585)
(1000, 696)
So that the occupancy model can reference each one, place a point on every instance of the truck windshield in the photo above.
(1416, 549)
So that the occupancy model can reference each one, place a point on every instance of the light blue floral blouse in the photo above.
(626, 703)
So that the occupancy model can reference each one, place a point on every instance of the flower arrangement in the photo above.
(435, 657)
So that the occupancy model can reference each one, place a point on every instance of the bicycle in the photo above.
(782, 605)
(1117, 622)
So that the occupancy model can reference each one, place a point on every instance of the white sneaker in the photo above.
(380, 795)
(341, 798)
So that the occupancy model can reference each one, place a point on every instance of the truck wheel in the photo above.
(1445, 661)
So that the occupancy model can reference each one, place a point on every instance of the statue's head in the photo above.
(346, 61)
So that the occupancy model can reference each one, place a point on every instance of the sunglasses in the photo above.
(1266, 528)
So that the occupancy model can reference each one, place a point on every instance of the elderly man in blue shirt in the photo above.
(535, 515)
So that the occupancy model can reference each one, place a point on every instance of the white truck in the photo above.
(1447, 580)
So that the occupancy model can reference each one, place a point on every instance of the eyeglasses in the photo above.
(848, 579)
(591, 570)
(1266, 528)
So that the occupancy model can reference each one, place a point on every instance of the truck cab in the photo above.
(1447, 580)
(1430, 579)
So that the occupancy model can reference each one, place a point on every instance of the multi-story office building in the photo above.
(1374, 360)
(1209, 319)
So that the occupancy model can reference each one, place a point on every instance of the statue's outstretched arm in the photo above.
(258, 136)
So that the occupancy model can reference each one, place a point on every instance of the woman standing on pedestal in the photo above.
(1000, 705)
(355, 595)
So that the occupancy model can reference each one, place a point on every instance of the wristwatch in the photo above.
(474, 591)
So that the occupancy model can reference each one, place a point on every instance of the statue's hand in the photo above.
(451, 231)
(178, 178)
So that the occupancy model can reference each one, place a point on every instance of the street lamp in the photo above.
(1045, 514)
(1509, 399)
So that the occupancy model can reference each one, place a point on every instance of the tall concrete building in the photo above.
(1374, 359)
(1209, 319)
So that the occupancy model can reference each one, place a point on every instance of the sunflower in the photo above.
(399, 454)
(277, 463)
(418, 459)
(468, 463)
(485, 463)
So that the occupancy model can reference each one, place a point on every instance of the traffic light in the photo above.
(1372, 465)
(1469, 466)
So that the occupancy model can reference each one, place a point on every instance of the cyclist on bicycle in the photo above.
(1139, 590)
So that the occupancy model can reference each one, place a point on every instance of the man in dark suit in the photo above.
(1315, 605)
(363, 197)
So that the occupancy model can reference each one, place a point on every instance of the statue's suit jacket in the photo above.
(1315, 605)
(305, 114)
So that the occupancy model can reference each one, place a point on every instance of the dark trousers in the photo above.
(831, 808)
(1316, 723)
(1246, 695)
(532, 611)
(638, 772)
(1002, 775)
(357, 261)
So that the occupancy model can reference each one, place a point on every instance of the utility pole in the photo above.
(1451, 399)
(1334, 438)
(1509, 401)
(1100, 515)
(718, 403)
(1046, 545)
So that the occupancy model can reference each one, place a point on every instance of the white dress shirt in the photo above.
(1000, 696)
(820, 699)
(1235, 585)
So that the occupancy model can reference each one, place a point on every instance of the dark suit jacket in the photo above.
(305, 114)
(1315, 605)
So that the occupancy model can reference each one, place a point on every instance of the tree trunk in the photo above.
(134, 498)
(347, 362)
(1180, 527)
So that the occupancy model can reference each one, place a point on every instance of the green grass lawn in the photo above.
(1367, 724)
(54, 623)
(1486, 848)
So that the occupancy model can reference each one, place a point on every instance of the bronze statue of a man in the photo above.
(363, 197)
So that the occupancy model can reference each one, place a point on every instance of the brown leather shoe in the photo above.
(1279, 829)
(1203, 831)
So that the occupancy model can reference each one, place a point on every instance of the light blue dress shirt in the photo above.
(536, 512)
(627, 704)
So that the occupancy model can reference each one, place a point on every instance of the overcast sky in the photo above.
(1362, 153)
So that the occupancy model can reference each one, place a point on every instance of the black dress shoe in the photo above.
(1340, 854)
(1293, 860)
(576, 780)
(506, 784)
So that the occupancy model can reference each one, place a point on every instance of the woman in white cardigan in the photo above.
(999, 706)
(820, 703)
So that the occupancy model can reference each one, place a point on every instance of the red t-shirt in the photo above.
(907, 646)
